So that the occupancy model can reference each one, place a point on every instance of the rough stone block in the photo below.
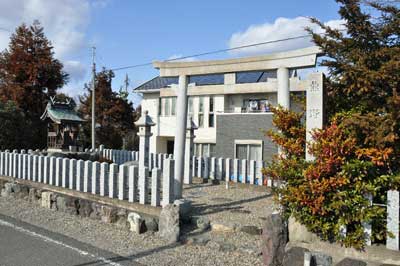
(274, 239)
(136, 223)
(67, 204)
(85, 208)
(169, 223)
(294, 257)
(46, 199)
(108, 214)
(185, 209)
(351, 262)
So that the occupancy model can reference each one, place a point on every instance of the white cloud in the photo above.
(64, 21)
(281, 28)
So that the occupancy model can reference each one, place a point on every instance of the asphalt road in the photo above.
(22, 244)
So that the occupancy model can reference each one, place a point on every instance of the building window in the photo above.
(211, 113)
(204, 149)
(173, 106)
(168, 106)
(201, 112)
(255, 105)
(248, 150)
(190, 105)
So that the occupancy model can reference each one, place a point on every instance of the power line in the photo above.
(216, 51)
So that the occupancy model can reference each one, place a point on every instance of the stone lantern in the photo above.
(144, 123)
(189, 149)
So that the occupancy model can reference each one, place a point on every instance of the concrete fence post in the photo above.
(40, 169)
(95, 178)
(122, 182)
(35, 168)
(5, 162)
(52, 170)
(15, 164)
(80, 166)
(244, 171)
(260, 176)
(193, 169)
(65, 173)
(220, 169)
(393, 219)
(228, 171)
(112, 181)
(206, 171)
(104, 179)
(160, 161)
(168, 182)
(9, 164)
(46, 169)
(87, 175)
(200, 168)
(133, 174)
(213, 168)
(72, 174)
(155, 187)
(20, 159)
(1, 163)
(58, 171)
(236, 167)
(367, 225)
(143, 189)
(252, 172)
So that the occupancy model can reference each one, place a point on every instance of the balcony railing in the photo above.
(245, 110)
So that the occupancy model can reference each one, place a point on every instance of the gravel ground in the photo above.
(236, 205)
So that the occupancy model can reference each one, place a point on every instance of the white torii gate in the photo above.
(282, 62)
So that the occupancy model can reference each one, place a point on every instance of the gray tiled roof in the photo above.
(211, 79)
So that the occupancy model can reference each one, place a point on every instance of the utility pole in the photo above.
(93, 99)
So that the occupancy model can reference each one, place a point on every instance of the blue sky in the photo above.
(133, 32)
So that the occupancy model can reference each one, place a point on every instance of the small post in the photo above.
(252, 172)
(236, 170)
(103, 178)
(133, 173)
(65, 172)
(20, 159)
(228, 172)
(206, 172)
(58, 171)
(72, 174)
(244, 171)
(122, 182)
(168, 178)
(143, 185)
(213, 168)
(200, 167)
(220, 168)
(393, 219)
(15, 165)
(95, 177)
(80, 166)
(112, 181)
(155, 187)
(52, 170)
(46, 169)
(40, 168)
(189, 148)
(87, 174)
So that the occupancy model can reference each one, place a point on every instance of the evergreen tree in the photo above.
(115, 115)
(29, 75)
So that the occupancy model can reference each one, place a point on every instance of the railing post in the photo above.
(103, 178)
(200, 167)
(133, 173)
(20, 159)
(213, 168)
(252, 172)
(52, 170)
(155, 187)
(87, 174)
(65, 172)
(235, 170)
(95, 177)
(168, 182)
(244, 171)
(220, 169)
(80, 166)
(122, 182)
(40, 169)
(112, 181)
(228, 172)
(72, 174)
(46, 169)
(15, 164)
(393, 219)
(143, 185)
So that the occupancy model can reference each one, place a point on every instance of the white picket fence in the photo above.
(112, 180)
